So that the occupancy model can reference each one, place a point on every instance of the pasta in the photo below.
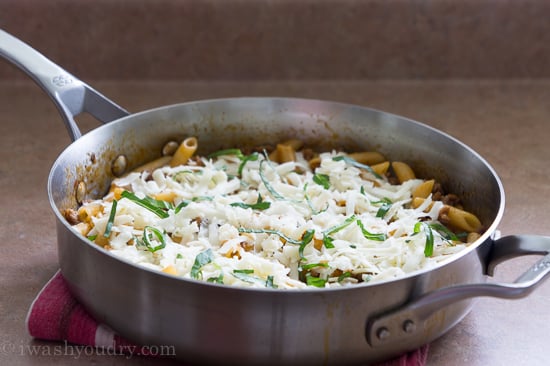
(287, 218)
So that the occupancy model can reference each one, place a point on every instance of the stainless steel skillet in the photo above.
(209, 323)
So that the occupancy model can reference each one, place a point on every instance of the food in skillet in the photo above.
(285, 217)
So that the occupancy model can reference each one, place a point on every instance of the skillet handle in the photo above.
(406, 321)
(70, 95)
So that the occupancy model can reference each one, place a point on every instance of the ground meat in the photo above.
(71, 216)
(308, 154)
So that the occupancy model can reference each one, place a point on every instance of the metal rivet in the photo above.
(80, 192)
(383, 333)
(118, 167)
(409, 326)
(170, 148)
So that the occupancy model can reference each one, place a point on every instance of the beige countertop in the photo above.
(505, 121)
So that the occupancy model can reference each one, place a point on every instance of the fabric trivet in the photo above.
(55, 315)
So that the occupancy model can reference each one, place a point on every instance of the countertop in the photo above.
(504, 121)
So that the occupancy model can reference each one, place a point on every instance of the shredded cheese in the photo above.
(245, 225)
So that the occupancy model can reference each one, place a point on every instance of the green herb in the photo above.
(185, 203)
(267, 185)
(307, 237)
(307, 267)
(245, 271)
(111, 220)
(322, 180)
(218, 279)
(92, 237)
(158, 207)
(308, 201)
(151, 235)
(429, 247)
(202, 259)
(259, 205)
(444, 232)
(275, 232)
(327, 240)
(237, 152)
(356, 164)
(343, 276)
(368, 235)
(315, 281)
(269, 282)
(246, 159)
(245, 275)
(179, 256)
(383, 210)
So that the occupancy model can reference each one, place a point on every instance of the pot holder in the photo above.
(55, 315)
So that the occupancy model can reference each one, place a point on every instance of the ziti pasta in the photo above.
(282, 218)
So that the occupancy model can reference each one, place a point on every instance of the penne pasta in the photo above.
(463, 220)
(402, 171)
(184, 151)
(368, 157)
(285, 153)
(424, 189)
(381, 168)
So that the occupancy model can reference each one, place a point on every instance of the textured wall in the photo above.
(284, 39)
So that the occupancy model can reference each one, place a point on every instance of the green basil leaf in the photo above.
(356, 164)
(322, 180)
(149, 203)
(259, 205)
(246, 159)
(267, 184)
(315, 281)
(307, 267)
(149, 235)
(370, 236)
(111, 220)
(237, 152)
(202, 259)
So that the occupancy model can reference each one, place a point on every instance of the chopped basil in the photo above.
(246, 159)
(267, 185)
(429, 247)
(218, 279)
(202, 259)
(356, 164)
(307, 235)
(111, 220)
(368, 235)
(179, 256)
(237, 152)
(445, 233)
(259, 205)
(315, 281)
(307, 267)
(92, 237)
(308, 201)
(157, 207)
(322, 180)
(185, 203)
(343, 276)
(386, 204)
(245, 271)
(269, 282)
(152, 235)
(327, 240)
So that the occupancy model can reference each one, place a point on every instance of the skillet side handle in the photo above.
(70, 95)
(410, 319)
